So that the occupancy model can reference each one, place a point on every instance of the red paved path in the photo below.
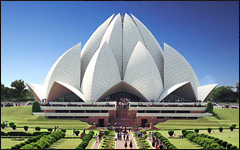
(120, 144)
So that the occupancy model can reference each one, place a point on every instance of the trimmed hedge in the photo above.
(196, 130)
(14, 127)
(3, 134)
(165, 141)
(50, 129)
(11, 123)
(42, 141)
(37, 128)
(85, 140)
(220, 129)
(14, 133)
(206, 141)
(63, 130)
(3, 125)
(76, 132)
(25, 128)
(171, 132)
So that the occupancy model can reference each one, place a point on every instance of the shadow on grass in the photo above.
(216, 116)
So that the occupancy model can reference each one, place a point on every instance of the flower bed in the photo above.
(108, 141)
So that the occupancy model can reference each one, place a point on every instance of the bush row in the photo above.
(41, 141)
(165, 141)
(85, 140)
(206, 141)
(14, 133)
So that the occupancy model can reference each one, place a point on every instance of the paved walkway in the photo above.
(120, 143)
(96, 145)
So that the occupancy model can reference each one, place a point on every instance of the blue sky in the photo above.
(35, 34)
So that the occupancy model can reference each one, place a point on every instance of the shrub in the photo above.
(219, 142)
(234, 125)
(184, 130)
(36, 107)
(39, 133)
(76, 132)
(63, 130)
(231, 128)
(229, 145)
(18, 134)
(209, 130)
(233, 147)
(220, 129)
(106, 132)
(11, 123)
(171, 132)
(37, 128)
(3, 134)
(209, 107)
(22, 144)
(3, 125)
(14, 147)
(50, 129)
(18, 146)
(25, 128)
(196, 130)
(224, 143)
(14, 127)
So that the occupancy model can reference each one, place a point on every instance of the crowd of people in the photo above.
(10, 104)
(124, 135)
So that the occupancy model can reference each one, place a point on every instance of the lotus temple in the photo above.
(122, 62)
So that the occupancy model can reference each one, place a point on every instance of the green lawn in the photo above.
(226, 135)
(184, 144)
(66, 144)
(22, 116)
(223, 118)
(8, 143)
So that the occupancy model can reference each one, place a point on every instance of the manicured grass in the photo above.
(66, 144)
(22, 115)
(184, 144)
(7, 143)
(223, 118)
(227, 135)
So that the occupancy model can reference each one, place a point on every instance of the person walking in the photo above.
(129, 129)
(127, 139)
(125, 145)
(120, 136)
(96, 137)
(130, 145)
(149, 136)
(55, 128)
(135, 133)
(124, 135)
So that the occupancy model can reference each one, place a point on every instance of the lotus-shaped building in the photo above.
(122, 56)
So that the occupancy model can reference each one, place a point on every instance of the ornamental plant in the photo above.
(50, 129)
(37, 128)
(231, 128)
(25, 128)
(76, 132)
(220, 129)
(171, 132)
(209, 130)
(14, 127)
(196, 130)
(3, 125)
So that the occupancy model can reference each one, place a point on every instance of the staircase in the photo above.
(121, 117)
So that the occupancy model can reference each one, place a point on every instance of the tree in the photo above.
(237, 87)
(224, 94)
(20, 88)
(36, 107)
(209, 107)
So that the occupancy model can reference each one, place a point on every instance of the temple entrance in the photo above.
(143, 122)
(100, 122)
